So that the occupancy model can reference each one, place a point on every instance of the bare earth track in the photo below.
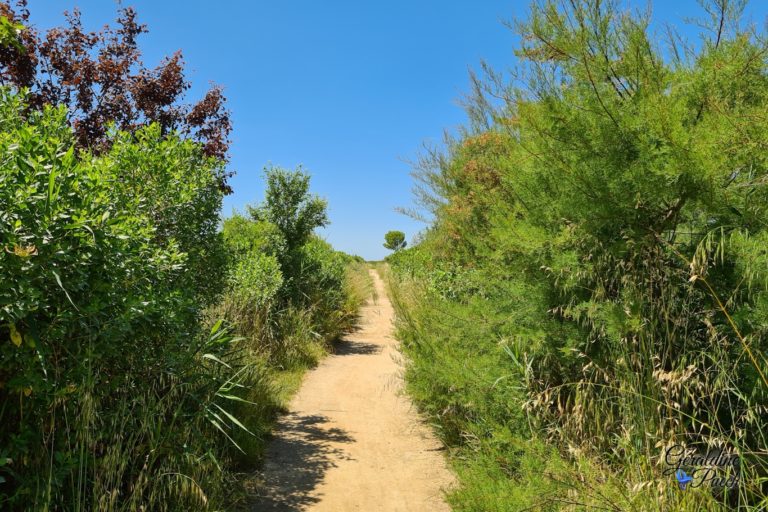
(352, 441)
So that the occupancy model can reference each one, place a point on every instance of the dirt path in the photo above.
(351, 441)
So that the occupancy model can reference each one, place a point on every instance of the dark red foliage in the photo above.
(100, 78)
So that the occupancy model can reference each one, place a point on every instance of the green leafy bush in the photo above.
(255, 280)
(111, 394)
(177, 188)
(243, 236)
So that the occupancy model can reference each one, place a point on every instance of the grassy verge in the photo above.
(464, 375)
(467, 392)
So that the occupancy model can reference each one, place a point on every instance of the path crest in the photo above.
(351, 440)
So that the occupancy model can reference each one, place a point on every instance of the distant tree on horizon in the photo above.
(395, 240)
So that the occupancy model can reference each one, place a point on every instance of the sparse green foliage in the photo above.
(394, 240)
(289, 206)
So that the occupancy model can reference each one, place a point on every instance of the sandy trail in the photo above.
(352, 441)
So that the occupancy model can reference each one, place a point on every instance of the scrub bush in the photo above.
(299, 298)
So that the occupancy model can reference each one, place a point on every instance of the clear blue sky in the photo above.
(348, 89)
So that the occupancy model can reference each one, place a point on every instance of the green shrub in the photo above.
(289, 295)
(295, 213)
(255, 280)
(112, 397)
(178, 189)
(243, 236)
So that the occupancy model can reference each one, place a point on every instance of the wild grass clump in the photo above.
(597, 246)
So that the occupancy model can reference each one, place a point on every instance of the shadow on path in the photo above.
(350, 347)
(298, 460)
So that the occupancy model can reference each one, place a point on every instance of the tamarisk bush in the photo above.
(599, 239)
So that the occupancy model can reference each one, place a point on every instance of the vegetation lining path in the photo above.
(351, 441)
